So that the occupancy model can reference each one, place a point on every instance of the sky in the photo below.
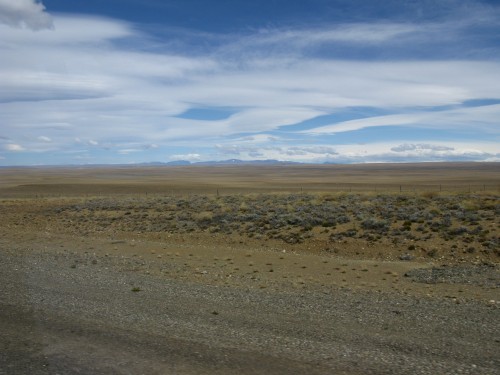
(315, 81)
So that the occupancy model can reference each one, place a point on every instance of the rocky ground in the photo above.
(83, 293)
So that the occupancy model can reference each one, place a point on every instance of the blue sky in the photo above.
(131, 81)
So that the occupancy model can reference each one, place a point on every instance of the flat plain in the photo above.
(276, 269)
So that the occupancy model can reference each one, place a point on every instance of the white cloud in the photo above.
(236, 149)
(421, 147)
(129, 151)
(365, 153)
(264, 119)
(429, 151)
(188, 157)
(24, 13)
(483, 118)
(80, 87)
(320, 150)
(318, 153)
(71, 31)
(259, 138)
(334, 84)
(349, 33)
(14, 147)
(351, 125)
(368, 33)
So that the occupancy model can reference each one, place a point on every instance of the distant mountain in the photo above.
(149, 164)
(178, 162)
(222, 162)
(167, 164)
(244, 162)
(160, 163)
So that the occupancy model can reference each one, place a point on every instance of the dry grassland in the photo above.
(73, 181)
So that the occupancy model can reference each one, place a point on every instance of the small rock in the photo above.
(406, 257)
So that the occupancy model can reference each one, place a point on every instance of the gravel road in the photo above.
(56, 319)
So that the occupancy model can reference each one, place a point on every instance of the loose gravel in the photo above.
(57, 319)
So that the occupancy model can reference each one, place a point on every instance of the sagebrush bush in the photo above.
(293, 217)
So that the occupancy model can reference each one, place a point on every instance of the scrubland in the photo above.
(455, 227)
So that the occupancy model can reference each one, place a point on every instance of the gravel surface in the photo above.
(97, 317)
(485, 275)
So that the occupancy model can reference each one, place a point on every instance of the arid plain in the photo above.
(344, 269)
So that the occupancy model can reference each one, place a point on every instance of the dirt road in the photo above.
(71, 312)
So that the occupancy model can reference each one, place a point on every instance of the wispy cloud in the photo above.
(483, 118)
(420, 147)
(102, 84)
(347, 33)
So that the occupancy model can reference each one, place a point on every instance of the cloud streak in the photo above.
(484, 118)
(420, 147)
